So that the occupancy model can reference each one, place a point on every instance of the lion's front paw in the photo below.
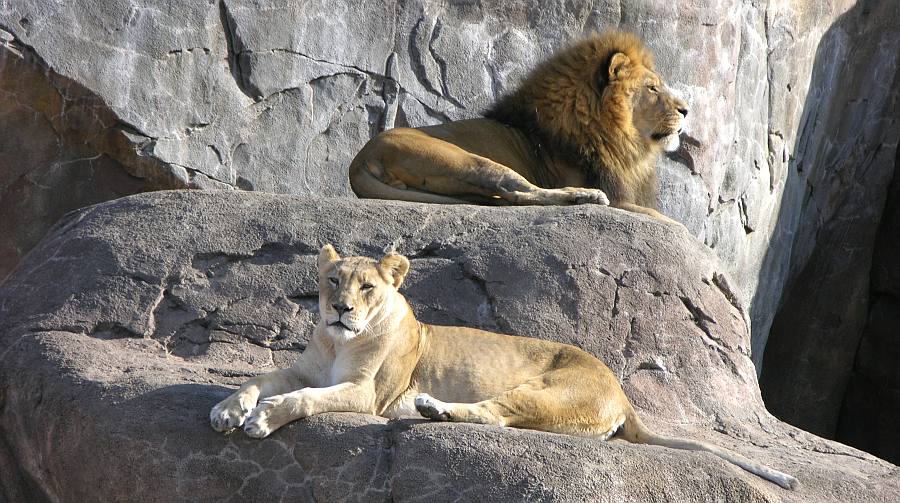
(227, 415)
(265, 418)
(589, 196)
(432, 408)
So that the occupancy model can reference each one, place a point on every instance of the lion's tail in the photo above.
(367, 185)
(634, 430)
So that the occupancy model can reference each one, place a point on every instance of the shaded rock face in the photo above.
(279, 98)
(871, 406)
(61, 148)
(133, 318)
(837, 306)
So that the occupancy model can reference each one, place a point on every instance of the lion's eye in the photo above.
(366, 286)
(652, 89)
(333, 281)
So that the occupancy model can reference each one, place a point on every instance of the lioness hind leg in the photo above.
(482, 412)
(560, 401)
(534, 413)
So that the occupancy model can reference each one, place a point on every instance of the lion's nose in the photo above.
(342, 308)
(683, 111)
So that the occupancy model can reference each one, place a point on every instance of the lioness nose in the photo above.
(683, 111)
(342, 308)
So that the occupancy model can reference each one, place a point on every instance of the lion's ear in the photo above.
(327, 255)
(619, 66)
(396, 266)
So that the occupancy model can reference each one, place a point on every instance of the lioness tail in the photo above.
(634, 430)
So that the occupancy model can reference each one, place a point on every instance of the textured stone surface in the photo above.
(278, 96)
(871, 408)
(134, 317)
(61, 149)
(844, 162)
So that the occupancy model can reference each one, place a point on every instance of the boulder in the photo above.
(132, 318)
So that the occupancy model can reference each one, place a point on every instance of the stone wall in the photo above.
(843, 165)
(871, 405)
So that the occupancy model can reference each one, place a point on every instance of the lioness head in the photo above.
(357, 293)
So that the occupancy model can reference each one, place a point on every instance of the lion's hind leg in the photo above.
(366, 183)
(513, 408)
(411, 165)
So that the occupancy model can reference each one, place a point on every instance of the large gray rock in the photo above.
(845, 158)
(873, 390)
(61, 149)
(134, 317)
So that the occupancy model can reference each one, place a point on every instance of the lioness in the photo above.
(586, 126)
(369, 354)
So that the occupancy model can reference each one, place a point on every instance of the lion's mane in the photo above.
(561, 106)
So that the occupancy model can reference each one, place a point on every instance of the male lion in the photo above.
(586, 126)
(369, 354)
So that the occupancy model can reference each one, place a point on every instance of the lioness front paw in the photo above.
(432, 408)
(265, 418)
(227, 415)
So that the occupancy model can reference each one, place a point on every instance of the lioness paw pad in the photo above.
(267, 417)
(257, 427)
(432, 408)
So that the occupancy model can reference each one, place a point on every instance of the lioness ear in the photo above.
(618, 66)
(327, 255)
(396, 266)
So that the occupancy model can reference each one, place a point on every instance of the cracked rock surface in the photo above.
(134, 317)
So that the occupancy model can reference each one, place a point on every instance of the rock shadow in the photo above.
(834, 196)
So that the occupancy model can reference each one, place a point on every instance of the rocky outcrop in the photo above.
(62, 148)
(134, 317)
(844, 162)
(871, 405)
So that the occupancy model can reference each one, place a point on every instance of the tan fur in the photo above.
(584, 127)
(381, 360)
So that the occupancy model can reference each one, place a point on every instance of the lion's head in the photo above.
(357, 293)
(600, 98)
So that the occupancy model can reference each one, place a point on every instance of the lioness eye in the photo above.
(652, 88)
(333, 281)
(367, 286)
